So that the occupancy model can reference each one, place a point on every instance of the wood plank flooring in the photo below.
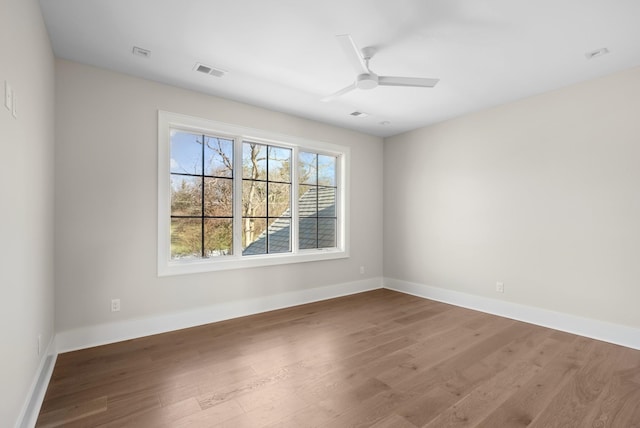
(376, 359)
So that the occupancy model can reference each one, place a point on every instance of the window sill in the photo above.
(184, 267)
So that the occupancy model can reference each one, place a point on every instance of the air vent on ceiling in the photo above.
(359, 114)
(201, 68)
(596, 53)
(146, 53)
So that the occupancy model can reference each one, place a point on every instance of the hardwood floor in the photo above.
(377, 359)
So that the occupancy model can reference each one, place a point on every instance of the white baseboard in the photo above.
(31, 408)
(600, 330)
(102, 334)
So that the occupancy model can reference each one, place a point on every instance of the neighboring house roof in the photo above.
(309, 237)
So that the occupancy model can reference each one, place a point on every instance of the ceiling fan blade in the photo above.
(342, 91)
(421, 82)
(353, 53)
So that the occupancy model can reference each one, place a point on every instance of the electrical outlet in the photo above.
(115, 305)
(361, 270)
(499, 287)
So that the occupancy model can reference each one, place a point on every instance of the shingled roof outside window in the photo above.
(309, 235)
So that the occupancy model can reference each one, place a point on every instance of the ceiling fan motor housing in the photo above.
(367, 81)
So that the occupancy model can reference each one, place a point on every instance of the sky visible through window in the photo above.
(186, 154)
(317, 169)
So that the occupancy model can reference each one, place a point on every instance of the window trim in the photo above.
(167, 267)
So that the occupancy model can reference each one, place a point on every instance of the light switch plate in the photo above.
(8, 96)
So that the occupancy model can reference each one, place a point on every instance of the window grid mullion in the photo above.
(237, 206)
(317, 201)
(293, 206)
(266, 230)
(202, 250)
(186, 174)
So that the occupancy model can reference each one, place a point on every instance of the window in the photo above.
(317, 205)
(266, 199)
(201, 195)
(232, 197)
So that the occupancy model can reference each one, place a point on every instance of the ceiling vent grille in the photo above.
(202, 68)
(145, 53)
(596, 53)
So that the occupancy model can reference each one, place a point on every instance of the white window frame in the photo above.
(166, 266)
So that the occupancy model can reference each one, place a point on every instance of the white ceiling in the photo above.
(283, 54)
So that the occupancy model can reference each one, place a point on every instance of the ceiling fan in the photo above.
(367, 79)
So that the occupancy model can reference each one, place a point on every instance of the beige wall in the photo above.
(106, 201)
(542, 194)
(26, 201)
